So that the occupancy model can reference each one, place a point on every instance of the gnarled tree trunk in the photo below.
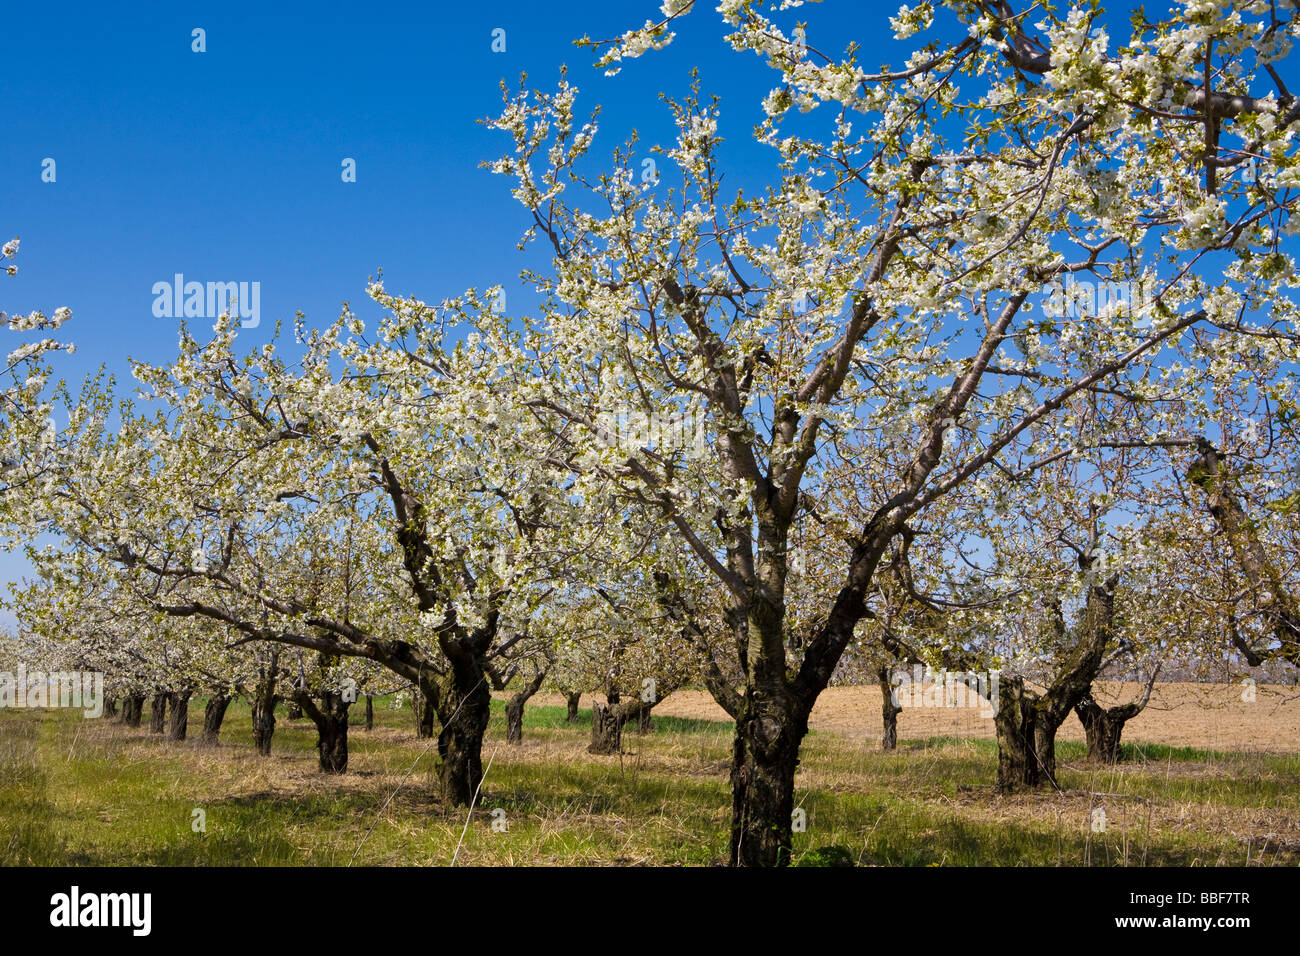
(889, 709)
(1102, 732)
(463, 703)
(132, 710)
(263, 702)
(331, 720)
(1103, 727)
(765, 757)
(571, 699)
(426, 715)
(606, 729)
(214, 712)
(1026, 723)
(1026, 738)
(515, 707)
(178, 703)
(158, 713)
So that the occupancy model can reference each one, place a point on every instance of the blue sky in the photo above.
(225, 165)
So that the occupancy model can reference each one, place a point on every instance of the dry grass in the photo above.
(95, 792)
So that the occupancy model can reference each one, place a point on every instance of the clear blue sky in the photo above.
(225, 165)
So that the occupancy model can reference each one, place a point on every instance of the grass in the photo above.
(97, 793)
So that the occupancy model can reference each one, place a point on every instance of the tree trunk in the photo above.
(132, 710)
(426, 716)
(1103, 727)
(331, 720)
(1102, 732)
(293, 710)
(606, 729)
(463, 705)
(213, 714)
(370, 712)
(765, 756)
(644, 720)
(110, 707)
(515, 719)
(263, 705)
(572, 700)
(157, 713)
(889, 709)
(179, 716)
(1014, 724)
(515, 706)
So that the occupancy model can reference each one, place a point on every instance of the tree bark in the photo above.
(213, 715)
(606, 729)
(889, 710)
(178, 703)
(571, 699)
(110, 707)
(515, 720)
(157, 713)
(293, 710)
(263, 705)
(463, 704)
(1103, 727)
(1026, 723)
(765, 757)
(132, 710)
(1014, 722)
(426, 715)
(515, 706)
(331, 720)
(370, 712)
(1101, 730)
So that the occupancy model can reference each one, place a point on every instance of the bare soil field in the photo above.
(1205, 716)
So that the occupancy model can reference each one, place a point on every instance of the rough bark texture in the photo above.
(132, 710)
(1026, 723)
(606, 729)
(571, 699)
(463, 703)
(331, 719)
(515, 707)
(889, 710)
(765, 756)
(178, 705)
(213, 714)
(263, 705)
(1102, 731)
(426, 715)
(158, 713)
(110, 707)
(1019, 765)
(515, 720)
(370, 712)
(1103, 727)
